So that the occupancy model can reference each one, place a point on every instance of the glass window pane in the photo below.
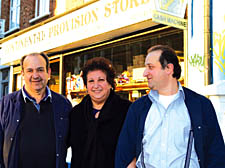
(54, 80)
(14, 13)
(127, 56)
(5, 89)
(17, 16)
(5, 74)
(18, 83)
(43, 7)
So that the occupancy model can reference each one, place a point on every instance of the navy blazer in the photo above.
(10, 110)
(208, 140)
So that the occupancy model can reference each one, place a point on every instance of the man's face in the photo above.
(35, 74)
(156, 76)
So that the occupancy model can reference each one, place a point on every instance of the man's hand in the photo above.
(132, 164)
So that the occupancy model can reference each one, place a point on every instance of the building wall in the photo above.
(27, 12)
(215, 91)
(218, 62)
(5, 13)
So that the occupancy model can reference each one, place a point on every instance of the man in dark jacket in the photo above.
(34, 120)
(156, 129)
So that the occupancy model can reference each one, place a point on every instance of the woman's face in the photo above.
(97, 86)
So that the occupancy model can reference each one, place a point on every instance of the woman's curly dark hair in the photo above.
(100, 63)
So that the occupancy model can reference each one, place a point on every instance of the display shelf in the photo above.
(125, 87)
(132, 90)
(132, 86)
(121, 87)
(78, 91)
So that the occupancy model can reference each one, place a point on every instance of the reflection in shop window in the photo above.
(18, 82)
(53, 83)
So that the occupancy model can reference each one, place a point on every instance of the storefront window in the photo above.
(128, 58)
(18, 82)
(4, 75)
(54, 80)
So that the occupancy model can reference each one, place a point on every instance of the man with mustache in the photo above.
(34, 120)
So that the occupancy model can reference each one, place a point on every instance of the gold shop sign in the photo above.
(94, 19)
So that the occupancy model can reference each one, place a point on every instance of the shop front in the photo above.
(121, 31)
(127, 55)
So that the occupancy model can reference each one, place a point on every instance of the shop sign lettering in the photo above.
(25, 42)
(118, 6)
(169, 20)
(71, 22)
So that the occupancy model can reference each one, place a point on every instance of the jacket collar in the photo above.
(30, 98)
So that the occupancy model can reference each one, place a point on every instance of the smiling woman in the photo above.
(98, 88)
(96, 122)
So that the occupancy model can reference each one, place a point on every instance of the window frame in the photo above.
(13, 9)
(1, 8)
(3, 82)
(40, 12)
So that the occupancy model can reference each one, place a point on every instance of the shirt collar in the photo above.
(154, 95)
(27, 96)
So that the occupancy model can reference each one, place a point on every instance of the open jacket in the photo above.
(10, 113)
(94, 141)
(208, 140)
